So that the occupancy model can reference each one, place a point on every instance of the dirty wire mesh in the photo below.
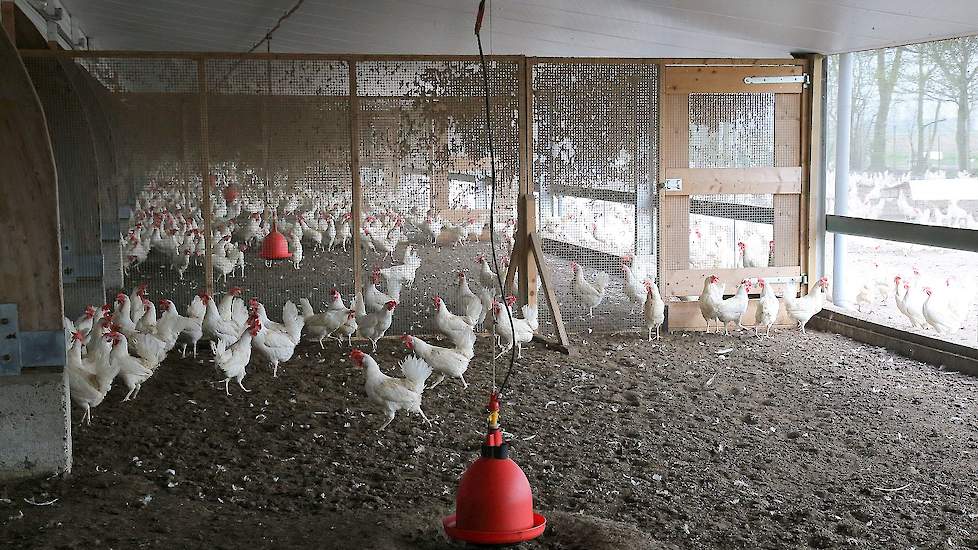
(595, 142)
(425, 165)
(279, 136)
(730, 130)
(139, 128)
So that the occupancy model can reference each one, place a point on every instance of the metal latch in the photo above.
(802, 79)
(673, 184)
(18, 349)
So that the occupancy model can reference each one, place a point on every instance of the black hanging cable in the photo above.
(266, 37)
(492, 203)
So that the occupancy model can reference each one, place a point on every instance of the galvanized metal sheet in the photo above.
(9, 344)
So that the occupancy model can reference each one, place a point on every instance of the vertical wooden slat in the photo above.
(804, 229)
(812, 132)
(527, 222)
(206, 184)
(673, 209)
(787, 129)
(355, 173)
(8, 13)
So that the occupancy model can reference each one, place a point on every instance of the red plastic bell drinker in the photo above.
(230, 193)
(274, 246)
(494, 503)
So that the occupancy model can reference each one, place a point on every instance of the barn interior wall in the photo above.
(287, 119)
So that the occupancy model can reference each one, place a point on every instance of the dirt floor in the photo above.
(795, 441)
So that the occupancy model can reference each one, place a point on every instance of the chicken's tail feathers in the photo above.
(307, 310)
(530, 315)
(416, 370)
(290, 312)
(601, 280)
(466, 340)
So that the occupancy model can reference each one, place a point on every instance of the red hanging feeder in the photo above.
(274, 246)
(494, 503)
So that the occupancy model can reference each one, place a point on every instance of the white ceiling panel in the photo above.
(616, 28)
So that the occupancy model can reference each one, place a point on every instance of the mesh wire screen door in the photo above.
(125, 130)
(594, 166)
(731, 198)
(424, 168)
(279, 136)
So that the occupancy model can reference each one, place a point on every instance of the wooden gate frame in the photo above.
(714, 74)
(788, 181)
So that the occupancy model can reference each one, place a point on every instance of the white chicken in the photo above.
(133, 370)
(590, 292)
(710, 299)
(88, 379)
(443, 361)
(732, 309)
(635, 290)
(374, 299)
(520, 332)
(320, 326)
(274, 344)
(214, 327)
(487, 277)
(469, 305)
(394, 394)
(232, 361)
(804, 308)
(946, 307)
(456, 327)
(374, 325)
(654, 309)
(768, 307)
(913, 304)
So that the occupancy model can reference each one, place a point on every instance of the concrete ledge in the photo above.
(35, 424)
(915, 346)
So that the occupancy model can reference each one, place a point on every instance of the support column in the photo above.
(840, 292)
(356, 194)
(35, 432)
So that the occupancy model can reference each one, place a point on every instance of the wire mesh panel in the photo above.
(74, 152)
(731, 130)
(426, 181)
(154, 108)
(279, 152)
(595, 166)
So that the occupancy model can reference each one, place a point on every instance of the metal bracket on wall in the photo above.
(803, 79)
(19, 349)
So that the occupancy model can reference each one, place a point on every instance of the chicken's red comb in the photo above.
(357, 356)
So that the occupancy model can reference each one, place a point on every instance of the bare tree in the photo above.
(887, 74)
(957, 62)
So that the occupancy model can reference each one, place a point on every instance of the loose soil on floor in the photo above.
(795, 441)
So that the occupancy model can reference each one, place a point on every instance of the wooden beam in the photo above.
(713, 79)
(31, 245)
(689, 282)
(813, 147)
(205, 174)
(526, 207)
(717, 181)
(537, 251)
(356, 194)
(686, 316)
(8, 13)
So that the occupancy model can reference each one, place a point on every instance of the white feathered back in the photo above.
(415, 370)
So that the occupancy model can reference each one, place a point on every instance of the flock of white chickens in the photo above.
(128, 342)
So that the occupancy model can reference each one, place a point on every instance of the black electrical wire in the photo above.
(492, 202)
(267, 37)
